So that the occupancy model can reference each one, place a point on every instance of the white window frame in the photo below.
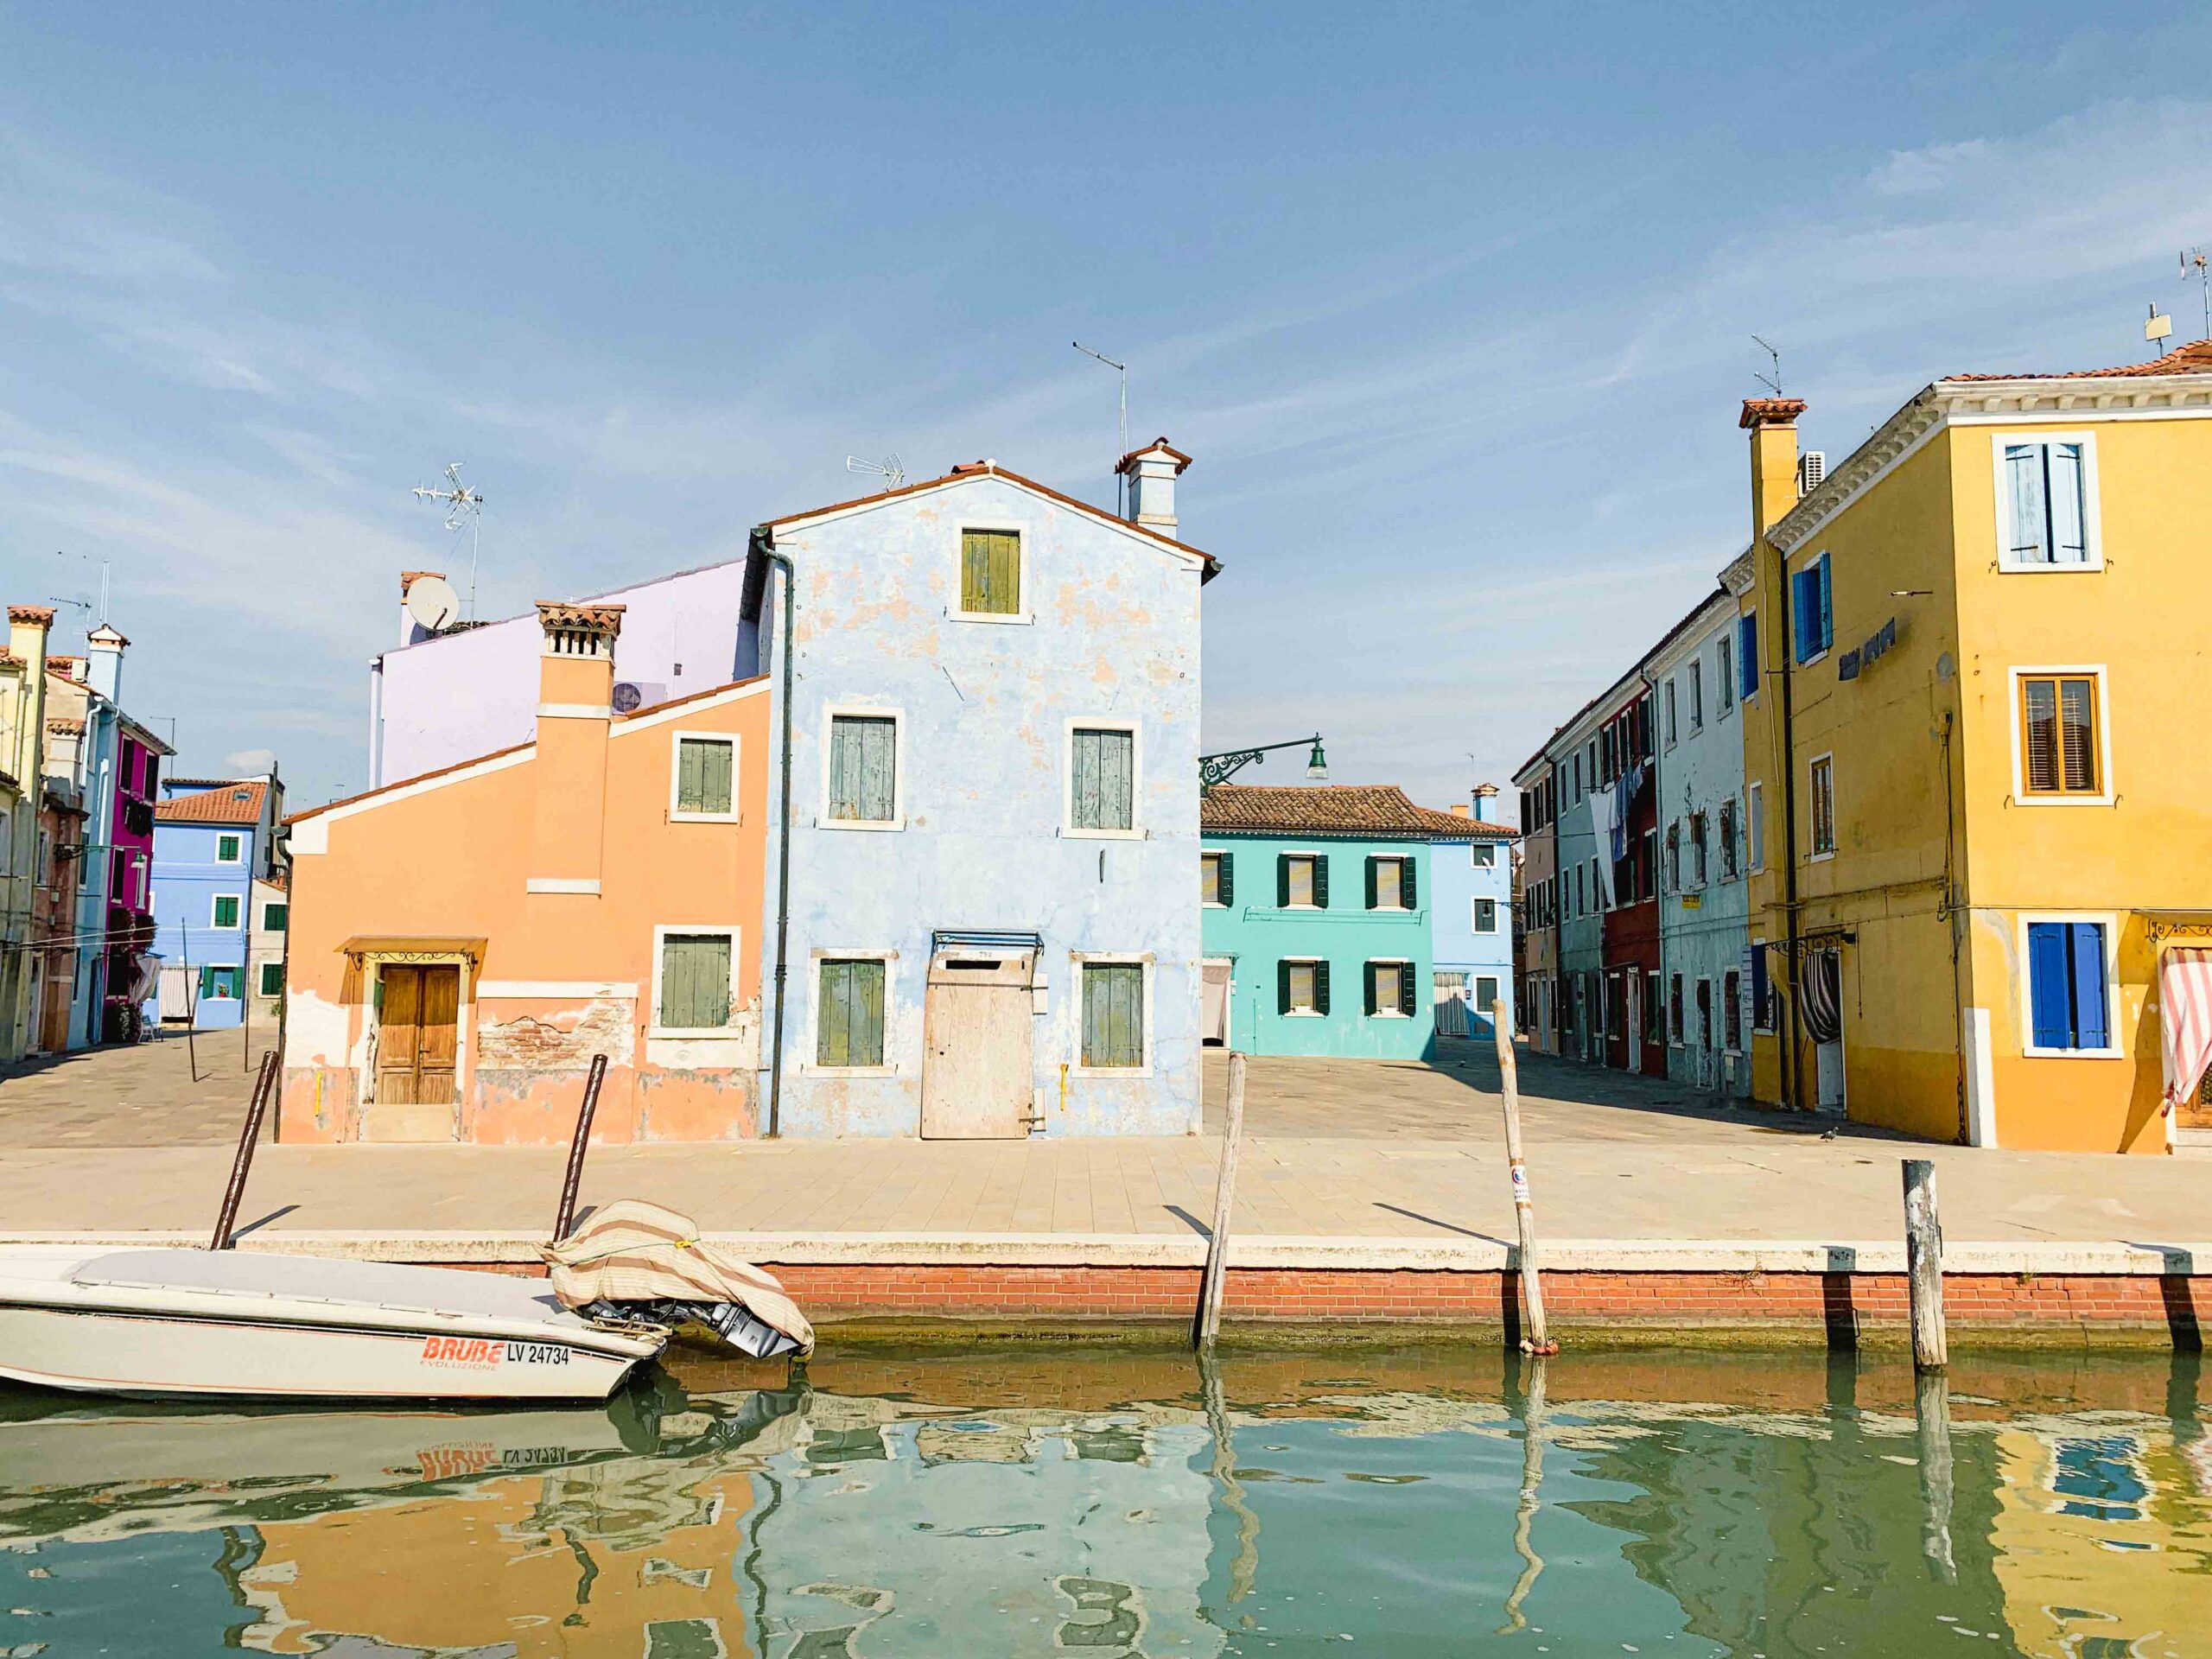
(1812, 761)
(1673, 723)
(1694, 672)
(676, 742)
(2109, 920)
(2093, 541)
(1318, 858)
(1136, 831)
(1079, 959)
(1755, 828)
(1474, 851)
(830, 714)
(1475, 915)
(215, 926)
(1024, 616)
(1405, 861)
(661, 931)
(1790, 605)
(264, 967)
(1205, 853)
(1305, 962)
(2106, 796)
(268, 905)
(1724, 661)
(815, 957)
(1405, 967)
(238, 857)
(200, 968)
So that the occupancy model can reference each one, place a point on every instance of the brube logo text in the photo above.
(482, 1353)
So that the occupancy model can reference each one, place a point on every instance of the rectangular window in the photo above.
(1755, 825)
(1813, 602)
(706, 776)
(2044, 489)
(848, 1018)
(1747, 656)
(1673, 732)
(1732, 1012)
(275, 917)
(1390, 989)
(2060, 751)
(229, 848)
(1655, 1005)
(1301, 987)
(1113, 1015)
(1675, 857)
(863, 768)
(1101, 789)
(1301, 881)
(1675, 1010)
(1705, 1013)
(990, 572)
(272, 979)
(1577, 775)
(1823, 807)
(1391, 884)
(2067, 1000)
(1485, 915)
(1581, 898)
(1728, 839)
(1217, 879)
(1697, 698)
(225, 911)
(1486, 993)
(1483, 853)
(1723, 682)
(1697, 848)
(219, 984)
(695, 981)
(1762, 1001)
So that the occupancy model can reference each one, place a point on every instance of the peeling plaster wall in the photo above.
(986, 708)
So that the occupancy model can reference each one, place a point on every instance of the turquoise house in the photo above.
(1317, 922)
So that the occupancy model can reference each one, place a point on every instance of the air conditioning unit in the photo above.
(630, 695)
(1812, 468)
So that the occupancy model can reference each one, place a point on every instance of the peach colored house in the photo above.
(463, 943)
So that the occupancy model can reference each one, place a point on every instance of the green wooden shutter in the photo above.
(1367, 988)
(1320, 988)
(990, 572)
(690, 787)
(1408, 893)
(1227, 877)
(274, 919)
(849, 1025)
(1282, 987)
(863, 768)
(695, 981)
(1104, 787)
(1113, 1014)
(1406, 989)
(1321, 882)
(1374, 881)
(1282, 880)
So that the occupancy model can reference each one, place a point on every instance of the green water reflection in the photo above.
(1044, 1501)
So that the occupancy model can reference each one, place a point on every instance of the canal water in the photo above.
(1035, 1500)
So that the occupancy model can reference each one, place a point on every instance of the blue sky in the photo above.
(1450, 305)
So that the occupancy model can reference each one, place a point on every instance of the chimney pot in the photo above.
(1151, 472)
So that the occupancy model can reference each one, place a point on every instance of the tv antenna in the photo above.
(464, 510)
(888, 469)
(1771, 382)
(1121, 481)
(98, 614)
(2196, 259)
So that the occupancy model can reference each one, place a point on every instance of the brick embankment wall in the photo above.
(2175, 1305)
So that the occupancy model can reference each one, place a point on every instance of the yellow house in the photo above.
(1978, 826)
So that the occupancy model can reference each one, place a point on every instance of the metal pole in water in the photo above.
(576, 1175)
(1923, 1260)
(1225, 1196)
(264, 1085)
(1536, 1336)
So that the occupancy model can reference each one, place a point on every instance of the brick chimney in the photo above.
(1773, 422)
(576, 687)
(104, 649)
(1151, 472)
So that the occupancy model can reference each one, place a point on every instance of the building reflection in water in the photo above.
(1118, 1504)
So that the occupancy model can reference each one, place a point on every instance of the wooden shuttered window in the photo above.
(1301, 987)
(2067, 989)
(2060, 750)
(990, 572)
(1102, 793)
(226, 909)
(1391, 883)
(863, 768)
(695, 981)
(705, 774)
(1113, 1014)
(1390, 987)
(2047, 504)
(1823, 805)
(1217, 878)
(848, 1020)
(1301, 879)
(1813, 597)
(1747, 655)
(272, 979)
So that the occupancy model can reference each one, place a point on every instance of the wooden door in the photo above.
(976, 1018)
(418, 1022)
(2195, 1113)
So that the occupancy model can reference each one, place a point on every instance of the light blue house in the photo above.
(213, 838)
(978, 919)
(1470, 912)
(1319, 907)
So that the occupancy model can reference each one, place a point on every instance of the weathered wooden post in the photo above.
(576, 1176)
(1923, 1261)
(1932, 1421)
(1535, 1335)
(264, 1085)
(1208, 1324)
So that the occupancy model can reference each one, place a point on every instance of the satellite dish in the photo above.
(432, 605)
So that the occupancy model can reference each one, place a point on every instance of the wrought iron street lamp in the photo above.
(1220, 768)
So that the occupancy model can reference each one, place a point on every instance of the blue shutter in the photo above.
(2068, 500)
(2088, 953)
(2050, 991)
(1827, 601)
(2024, 492)
(1747, 655)
(1800, 608)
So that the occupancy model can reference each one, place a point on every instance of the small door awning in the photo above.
(412, 947)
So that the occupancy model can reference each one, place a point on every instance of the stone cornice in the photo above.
(1741, 574)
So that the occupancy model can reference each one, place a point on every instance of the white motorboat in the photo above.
(246, 1323)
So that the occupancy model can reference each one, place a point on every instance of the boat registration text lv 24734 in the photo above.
(481, 1353)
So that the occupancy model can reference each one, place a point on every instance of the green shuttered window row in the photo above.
(704, 774)
(695, 981)
(1113, 1014)
(863, 768)
(850, 1019)
(990, 572)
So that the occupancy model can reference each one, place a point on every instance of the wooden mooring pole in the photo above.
(1535, 1334)
(264, 1085)
(1207, 1325)
(566, 1214)
(1923, 1261)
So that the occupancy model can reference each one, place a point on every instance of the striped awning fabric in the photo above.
(2184, 1019)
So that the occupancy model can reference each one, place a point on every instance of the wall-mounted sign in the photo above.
(1877, 646)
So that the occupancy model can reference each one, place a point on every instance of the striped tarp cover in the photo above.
(633, 1251)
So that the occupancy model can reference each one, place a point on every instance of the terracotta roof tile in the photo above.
(2196, 358)
(1336, 809)
(228, 803)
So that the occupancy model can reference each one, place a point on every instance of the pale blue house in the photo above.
(213, 838)
(1470, 920)
(979, 919)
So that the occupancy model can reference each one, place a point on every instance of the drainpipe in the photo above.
(764, 543)
(1794, 1072)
